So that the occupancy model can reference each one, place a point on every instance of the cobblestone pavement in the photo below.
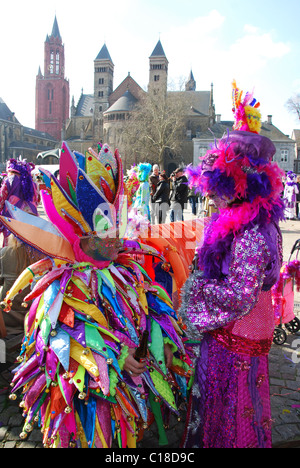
(284, 389)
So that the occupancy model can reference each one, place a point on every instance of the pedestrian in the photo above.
(290, 195)
(179, 194)
(142, 195)
(227, 303)
(19, 189)
(153, 180)
(193, 199)
(161, 198)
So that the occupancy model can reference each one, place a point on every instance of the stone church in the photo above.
(100, 115)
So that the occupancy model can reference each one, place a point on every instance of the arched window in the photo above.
(57, 62)
(51, 66)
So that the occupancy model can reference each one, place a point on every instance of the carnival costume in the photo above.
(290, 195)
(18, 188)
(227, 303)
(88, 311)
(131, 185)
(142, 196)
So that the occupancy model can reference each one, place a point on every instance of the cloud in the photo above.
(256, 48)
(192, 44)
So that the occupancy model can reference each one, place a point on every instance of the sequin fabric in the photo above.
(229, 405)
(213, 303)
(233, 322)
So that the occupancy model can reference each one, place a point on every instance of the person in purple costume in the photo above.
(227, 300)
(19, 189)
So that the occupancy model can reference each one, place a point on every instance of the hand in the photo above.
(168, 355)
(132, 366)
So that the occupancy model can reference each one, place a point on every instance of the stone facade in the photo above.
(285, 146)
(100, 116)
(296, 138)
(17, 140)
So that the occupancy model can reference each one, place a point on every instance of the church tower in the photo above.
(52, 89)
(190, 85)
(158, 73)
(103, 81)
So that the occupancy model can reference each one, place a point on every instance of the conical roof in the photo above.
(124, 104)
(104, 54)
(55, 29)
(158, 50)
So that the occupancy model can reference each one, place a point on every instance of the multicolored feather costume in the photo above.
(86, 312)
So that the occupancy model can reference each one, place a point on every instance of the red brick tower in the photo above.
(52, 89)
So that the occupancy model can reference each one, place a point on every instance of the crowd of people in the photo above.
(95, 295)
(167, 196)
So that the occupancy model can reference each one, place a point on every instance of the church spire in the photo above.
(191, 83)
(55, 29)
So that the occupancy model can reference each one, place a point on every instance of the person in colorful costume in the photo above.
(91, 301)
(227, 300)
(290, 195)
(131, 185)
(142, 196)
(19, 189)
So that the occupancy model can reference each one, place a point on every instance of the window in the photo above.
(50, 94)
(202, 151)
(101, 80)
(284, 155)
(51, 66)
(100, 93)
(156, 77)
(57, 63)
(50, 107)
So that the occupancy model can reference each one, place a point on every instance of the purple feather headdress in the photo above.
(23, 168)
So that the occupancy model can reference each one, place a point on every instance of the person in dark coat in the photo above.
(179, 196)
(153, 181)
(161, 198)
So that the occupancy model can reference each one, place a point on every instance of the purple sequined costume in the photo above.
(22, 196)
(230, 404)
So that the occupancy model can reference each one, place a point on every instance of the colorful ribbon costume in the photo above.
(86, 313)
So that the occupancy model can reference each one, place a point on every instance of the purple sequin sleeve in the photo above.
(210, 304)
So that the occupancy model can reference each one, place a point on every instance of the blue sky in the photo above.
(257, 43)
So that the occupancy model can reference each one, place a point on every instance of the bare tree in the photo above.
(155, 127)
(293, 105)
